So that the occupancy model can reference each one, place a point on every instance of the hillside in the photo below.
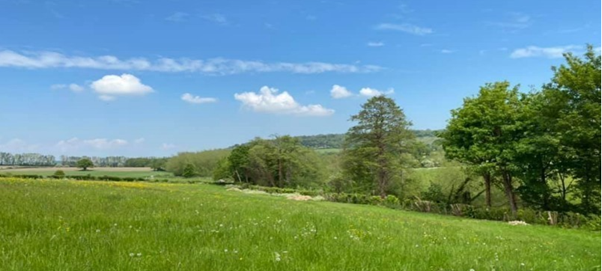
(82, 225)
(335, 141)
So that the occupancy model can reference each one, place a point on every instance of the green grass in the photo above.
(92, 172)
(80, 225)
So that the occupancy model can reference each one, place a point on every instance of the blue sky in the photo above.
(140, 78)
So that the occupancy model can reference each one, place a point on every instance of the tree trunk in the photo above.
(546, 195)
(382, 184)
(487, 178)
(279, 173)
(507, 181)
(563, 189)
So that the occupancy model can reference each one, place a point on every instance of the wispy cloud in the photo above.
(168, 146)
(75, 144)
(268, 100)
(514, 21)
(177, 17)
(189, 98)
(447, 51)
(405, 27)
(547, 52)
(17, 145)
(222, 66)
(376, 44)
(216, 18)
(72, 87)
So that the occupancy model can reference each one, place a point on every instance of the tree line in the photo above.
(540, 148)
(26, 159)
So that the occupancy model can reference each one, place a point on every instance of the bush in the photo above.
(391, 201)
(59, 174)
(189, 171)
(376, 200)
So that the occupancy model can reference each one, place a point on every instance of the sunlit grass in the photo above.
(88, 225)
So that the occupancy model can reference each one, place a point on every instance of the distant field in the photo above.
(87, 225)
(135, 172)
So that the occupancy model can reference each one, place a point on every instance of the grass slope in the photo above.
(78, 225)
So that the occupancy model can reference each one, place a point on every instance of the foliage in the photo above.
(373, 147)
(84, 163)
(109, 161)
(280, 162)
(204, 162)
(157, 164)
(189, 171)
(59, 174)
(26, 159)
(574, 97)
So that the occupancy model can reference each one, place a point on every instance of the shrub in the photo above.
(376, 200)
(59, 174)
(391, 200)
(189, 171)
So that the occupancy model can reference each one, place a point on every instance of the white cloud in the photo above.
(405, 27)
(189, 98)
(340, 92)
(548, 52)
(96, 143)
(139, 140)
(45, 60)
(72, 87)
(447, 51)
(216, 18)
(177, 17)
(267, 100)
(371, 92)
(17, 145)
(110, 86)
(168, 146)
(376, 44)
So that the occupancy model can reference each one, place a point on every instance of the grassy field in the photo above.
(135, 172)
(81, 225)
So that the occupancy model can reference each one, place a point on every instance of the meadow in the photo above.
(134, 172)
(87, 225)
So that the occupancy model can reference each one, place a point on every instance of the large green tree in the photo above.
(374, 146)
(483, 133)
(84, 163)
(574, 97)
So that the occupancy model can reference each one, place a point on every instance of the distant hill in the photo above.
(335, 141)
